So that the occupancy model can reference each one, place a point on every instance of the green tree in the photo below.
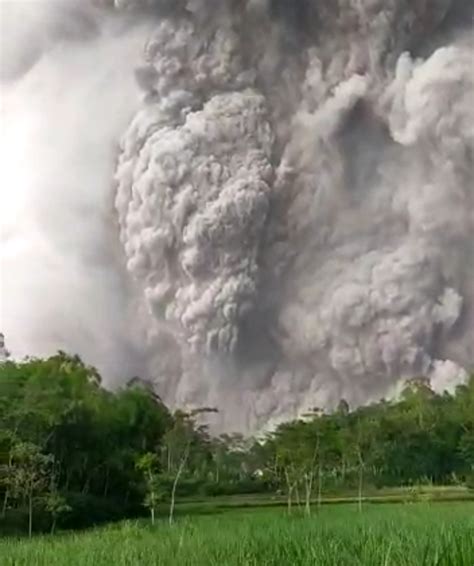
(56, 505)
(464, 407)
(180, 440)
(29, 476)
(148, 465)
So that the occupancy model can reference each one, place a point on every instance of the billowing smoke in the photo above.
(292, 209)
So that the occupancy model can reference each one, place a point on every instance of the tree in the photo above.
(57, 506)
(178, 441)
(29, 475)
(416, 397)
(148, 464)
(314, 455)
(7, 442)
(291, 457)
(358, 444)
(55, 409)
(464, 408)
(230, 454)
(329, 463)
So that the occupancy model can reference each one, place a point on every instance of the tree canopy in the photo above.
(73, 453)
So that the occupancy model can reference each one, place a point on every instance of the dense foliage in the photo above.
(73, 453)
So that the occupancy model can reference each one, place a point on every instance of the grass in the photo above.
(420, 493)
(420, 534)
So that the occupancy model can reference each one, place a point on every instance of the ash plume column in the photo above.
(295, 201)
(272, 210)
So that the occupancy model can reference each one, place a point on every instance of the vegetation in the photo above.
(395, 535)
(73, 454)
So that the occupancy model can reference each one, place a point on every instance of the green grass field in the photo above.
(418, 494)
(418, 534)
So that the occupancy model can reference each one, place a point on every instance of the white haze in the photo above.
(289, 218)
(60, 122)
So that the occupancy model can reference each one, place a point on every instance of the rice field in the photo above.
(420, 534)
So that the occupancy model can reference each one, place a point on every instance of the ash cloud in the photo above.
(67, 92)
(293, 199)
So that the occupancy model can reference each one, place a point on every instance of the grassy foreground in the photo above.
(383, 535)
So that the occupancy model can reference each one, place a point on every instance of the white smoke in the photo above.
(67, 93)
(294, 199)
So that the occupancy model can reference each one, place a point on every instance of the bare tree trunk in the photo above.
(361, 480)
(175, 483)
(30, 515)
(53, 525)
(5, 502)
(289, 487)
(7, 491)
(320, 487)
(309, 488)
(85, 489)
(297, 493)
(106, 485)
(152, 498)
(317, 458)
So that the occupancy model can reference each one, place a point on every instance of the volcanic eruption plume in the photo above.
(291, 217)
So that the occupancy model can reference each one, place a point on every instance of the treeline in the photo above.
(73, 454)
